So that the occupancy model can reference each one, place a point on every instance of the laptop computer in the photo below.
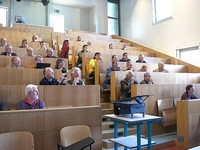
(42, 65)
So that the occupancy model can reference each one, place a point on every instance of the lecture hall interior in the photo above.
(100, 74)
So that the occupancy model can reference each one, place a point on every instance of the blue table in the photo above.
(138, 120)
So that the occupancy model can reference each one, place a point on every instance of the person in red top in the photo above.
(32, 100)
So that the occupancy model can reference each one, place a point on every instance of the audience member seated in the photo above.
(129, 66)
(79, 62)
(160, 68)
(124, 47)
(60, 64)
(115, 67)
(30, 52)
(143, 69)
(126, 84)
(125, 58)
(89, 43)
(8, 51)
(32, 100)
(49, 78)
(141, 59)
(111, 46)
(50, 53)
(75, 77)
(97, 56)
(35, 38)
(16, 62)
(80, 38)
(24, 44)
(3, 105)
(147, 79)
(38, 59)
(42, 45)
(3, 42)
(189, 94)
(114, 58)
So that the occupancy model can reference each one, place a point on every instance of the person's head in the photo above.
(24, 43)
(48, 73)
(97, 56)
(38, 59)
(189, 89)
(75, 73)
(161, 66)
(8, 49)
(31, 92)
(147, 77)
(115, 64)
(16, 61)
(3, 41)
(111, 46)
(49, 52)
(35, 38)
(124, 47)
(85, 48)
(144, 68)
(42, 44)
(60, 63)
(129, 74)
(125, 55)
(114, 57)
(89, 43)
(141, 57)
(79, 38)
(129, 65)
(30, 51)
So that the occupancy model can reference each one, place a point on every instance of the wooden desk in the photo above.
(138, 120)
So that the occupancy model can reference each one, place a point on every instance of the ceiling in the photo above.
(76, 3)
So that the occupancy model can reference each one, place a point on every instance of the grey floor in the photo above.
(158, 139)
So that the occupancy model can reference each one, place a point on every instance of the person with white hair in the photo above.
(75, 77)
(31, 100)
(30, 52)
(3, 42)
(141, 59)
(161, 68)
(16, 63)
(50, 53)
(126, 84)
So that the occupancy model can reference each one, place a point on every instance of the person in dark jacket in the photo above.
(189, 93)
(8, 51)
(126, 84)
(79, 62)
(49, 78)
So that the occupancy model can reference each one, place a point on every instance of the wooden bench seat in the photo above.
(45, 124)
(5, 61)
(53, 95)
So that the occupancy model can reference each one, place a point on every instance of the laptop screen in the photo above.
(42, 65)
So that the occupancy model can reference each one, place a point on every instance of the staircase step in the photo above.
(110, 133)
(106, 143)
(106, 105)
(106, 125)
(107, 111)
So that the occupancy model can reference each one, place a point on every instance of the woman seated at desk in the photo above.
(189, 94)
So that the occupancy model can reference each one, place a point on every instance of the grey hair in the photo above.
(140, 55)
(29, 88)
(129, 71)
(76, 69)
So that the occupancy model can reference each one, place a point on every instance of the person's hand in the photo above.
(119, 67)
(60, 78)
(76, 80)
(132, 80)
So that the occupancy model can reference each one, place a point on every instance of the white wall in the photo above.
(180, 32)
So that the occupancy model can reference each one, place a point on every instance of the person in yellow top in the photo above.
(38, 59)
(97, 56)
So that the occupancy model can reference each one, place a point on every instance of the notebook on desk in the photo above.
(42, 65)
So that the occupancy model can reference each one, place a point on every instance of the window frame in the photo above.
(155, 21)
(118, 19)
(6, 15)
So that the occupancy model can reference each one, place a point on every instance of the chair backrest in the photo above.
(72, 134)
(16, 141)
(175, 101)
(164, 104)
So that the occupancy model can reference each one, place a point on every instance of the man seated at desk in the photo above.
(32, 100)
(115, 67)
(189, 93)
(49, 78)
(126, 84)
(147, 79)
(16, 62)
(129, 66)
(30, 52)
(161, 68)
(8, 51)
(3, 42)
(75, 77)
(125, 58)
(50, 53)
